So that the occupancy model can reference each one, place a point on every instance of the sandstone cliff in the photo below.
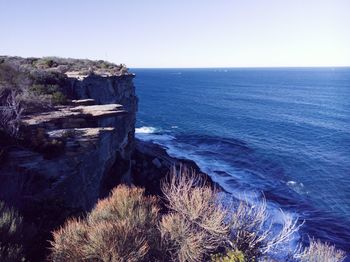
(70, 154)
(96, 143)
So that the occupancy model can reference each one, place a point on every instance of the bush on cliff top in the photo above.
(29, 85)
(63, 65)
(24, 92)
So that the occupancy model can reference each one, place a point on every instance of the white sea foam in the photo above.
(297, 187)
(145, 130)
(149, 133)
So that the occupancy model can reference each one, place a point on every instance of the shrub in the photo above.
(195, 226)
(12, 82)
(10, 234)
(70, 241)
(253, 235)
(45, 63)
(58, 98)
(320, 252)
(10, 113)
(32, 102)
(181, 240)
(12, 78)
(122, 227)
(229, 256)
(51, 92)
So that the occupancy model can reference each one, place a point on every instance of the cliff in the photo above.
(67, 155)
(69, 152)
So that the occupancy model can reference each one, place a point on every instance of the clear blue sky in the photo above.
(181, 33)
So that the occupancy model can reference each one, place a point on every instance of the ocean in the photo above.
(279, 132)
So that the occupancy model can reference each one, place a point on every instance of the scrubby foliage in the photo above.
(11, 83)
(10, 113)
(30, 85)
(229, 256)
(122, 227)
(252, 233)
(10, 235)
(195, 225)
(320, 252)
(59, 65)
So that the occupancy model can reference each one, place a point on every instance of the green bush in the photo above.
(58, 98)
(10, 235)
(45, 63)
(230, 256)
(51, 91)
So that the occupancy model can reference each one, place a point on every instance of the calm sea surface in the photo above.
(282, 132)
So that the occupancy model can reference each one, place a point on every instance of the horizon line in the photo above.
(241, 67)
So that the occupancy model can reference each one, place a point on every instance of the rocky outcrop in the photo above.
(71, 156)
(105, 90)
(77, 152)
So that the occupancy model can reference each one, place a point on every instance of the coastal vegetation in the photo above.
(186, 218)
(29, 85)
(11, 237)
(188, 223)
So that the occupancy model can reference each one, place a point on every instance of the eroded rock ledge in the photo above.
(71, 155)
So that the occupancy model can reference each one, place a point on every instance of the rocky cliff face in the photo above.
(70, 156)
(79, 151)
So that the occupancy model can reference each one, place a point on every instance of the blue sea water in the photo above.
(283, 132)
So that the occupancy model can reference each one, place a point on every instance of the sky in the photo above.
(180, 33)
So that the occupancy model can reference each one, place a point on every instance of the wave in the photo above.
(152, 134)
(145, 130)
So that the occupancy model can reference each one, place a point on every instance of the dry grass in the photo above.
(195, 226)
(122, 227)
(320, 252)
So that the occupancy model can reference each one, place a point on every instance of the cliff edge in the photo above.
(66, 155)
(67, 137)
